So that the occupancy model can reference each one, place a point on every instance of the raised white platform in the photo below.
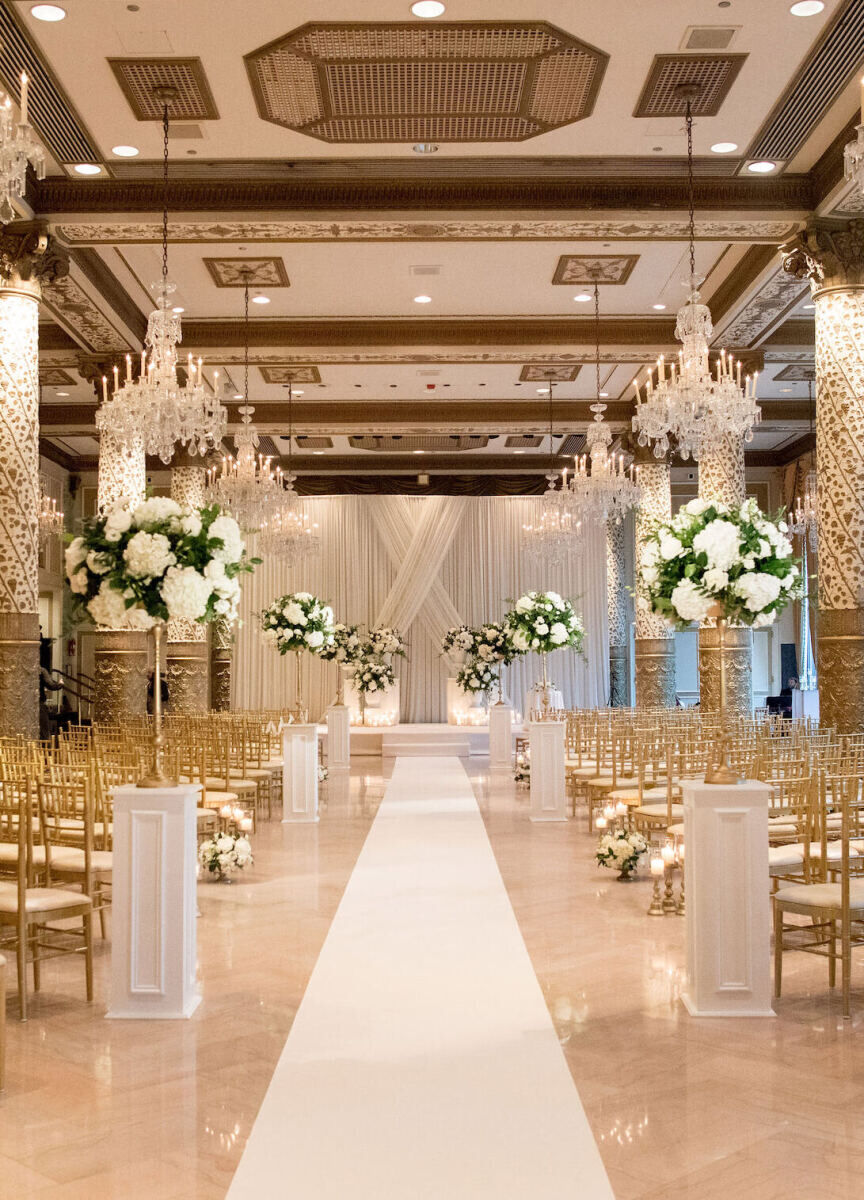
(392, 741)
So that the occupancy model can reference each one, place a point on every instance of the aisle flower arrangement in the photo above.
(493, 642)
(223, 854)
(459, 640)
(541, 622)
(476, 677)
(298, 621)
(384, 640)
(346, 646)
(371, 677)
(621, 849)
(135, 566)
(712, 557)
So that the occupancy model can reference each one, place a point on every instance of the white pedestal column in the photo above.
(153, 923)
(548, 797)
(299, 773)
(338, 738)
(728, 907)
(501, 737)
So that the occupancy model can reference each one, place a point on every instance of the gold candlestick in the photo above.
(721, 770)
(156, 777)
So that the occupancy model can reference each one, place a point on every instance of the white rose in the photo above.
(228, 531)
(293, 612)
(116, 523)
(373, 686)
(650, 554)
(762, 619)
(185, 592)
(304, 596)
(148, 555)
(670, 547)
(689, 602)
(524, 604)
(719, 541)
(697, 507)
(650, 575)
(154, 510)
(520, 641)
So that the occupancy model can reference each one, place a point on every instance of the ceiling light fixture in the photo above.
(422, 299)
(582, 297)
(260, 299)
(763, 167)
(659, 307)
(88, 169)
(418, 451)
(724, 147)
(48, 12)
(425, 148)
(51, 523)
(125, 151)
(178, 309)
(806, 8)
(289, 531)
(551, 539)
(427, 9)
(61, 393)
(18, 149)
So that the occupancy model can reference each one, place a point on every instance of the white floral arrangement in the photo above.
(373, 677)
(384, 640)
(621, 849)
(346, 646)
(224, 854)
(298, 621)
(138, 564)
(494, 643)
(323, 773)
(711, 555)
(541, 622)
(459, 640)
(476, 676)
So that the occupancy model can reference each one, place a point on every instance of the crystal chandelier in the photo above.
(51, 521)
(552, 538)
(247, 486)
(607, 492)
(688, 404)
(288, 531)
(156, 405)
(18, 148)
(804, 517)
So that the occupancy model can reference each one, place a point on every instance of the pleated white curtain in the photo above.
(466, 565)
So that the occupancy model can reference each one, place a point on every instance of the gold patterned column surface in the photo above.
(721, 478)
(121, 672)
(655, 641)
(187, 488)
(28, 258)
(187, 673)
(122, 472)
(830, 254)
(221, 656)
(616, 607)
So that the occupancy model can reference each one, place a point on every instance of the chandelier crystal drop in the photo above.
(246, 485)
(18, 150)
(688, 404)
(607, 492)
(288, 531)
(156, 405)
(553, 537)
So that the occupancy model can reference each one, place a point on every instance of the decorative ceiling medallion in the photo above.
(286, 373)
(594, 268)
(405, 443)
(543, 372)
(713, 74)
(797, 373)
(55, 377)
(140, 77)
(257, 272)
(469, 81)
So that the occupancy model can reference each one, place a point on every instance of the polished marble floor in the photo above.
(756, 1110)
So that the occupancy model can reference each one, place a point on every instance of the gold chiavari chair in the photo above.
(66, 812)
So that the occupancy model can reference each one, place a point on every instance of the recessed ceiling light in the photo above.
(785, 389)
(425, 148)
(418, 451)
(294, 392)
(761, 168)
(543, 391)
(260, 299)
(518, 451)
(87, 169)
(125, 151)
(317, 451)
(61, 393)
(427, 9)
(659, 307)
(582, 297)
(806, 8)
(238, 395)
(724, 147)
(604, 395)
(48, 12)
(809, 305)
(422, 299)
(178, 308)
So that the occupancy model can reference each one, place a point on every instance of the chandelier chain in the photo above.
(691, 194)
(246, 343)
(165, 127)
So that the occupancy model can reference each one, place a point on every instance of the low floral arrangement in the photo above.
(542, 622)
(522, 774)
(622, 850)
(298, 621)
(346, 646)
(136, 565)
(373, 677)
(224, 854)
(494, 643)
(458, 640)
(711, 555)
(323, 773)
(476, 676)
(384, 640)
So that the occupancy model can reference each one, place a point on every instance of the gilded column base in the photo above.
(739, 670)
(187, 673)
(121, 676)
(841, 669)
(19, 675)
(655, 672)
(619, 677)
(220, 681)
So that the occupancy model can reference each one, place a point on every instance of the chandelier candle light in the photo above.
(51, 520)
(288, 531)
(18, 150)
(554, 535)
(687, 403)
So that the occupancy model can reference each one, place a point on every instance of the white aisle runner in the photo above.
(422, 1062)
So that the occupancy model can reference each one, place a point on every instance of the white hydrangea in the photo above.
(185, 592)
(99, 564)
(719, 541)
(696, 507)
(294, 613)
(108, 609)
(715, 580)
(154, 510)
(75, 555)
(670, 546)
(190, 524)
(520, 641)
(757, 590)
(148, 555)
(228, 530)
(117, 522)
(314, 638)
(689, 602)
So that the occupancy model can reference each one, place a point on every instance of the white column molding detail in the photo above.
(299, 773)
(338, 737)
(548, 795)
(500, 737)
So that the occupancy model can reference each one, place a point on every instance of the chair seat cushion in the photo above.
(601, 781)
(785, 856)
(821, 895)
(9, 854)
(41, 899)
(67, 858)
(586, 771)
(660, 810)
(676, 830)
(625, 795)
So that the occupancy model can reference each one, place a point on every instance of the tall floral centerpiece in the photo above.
(384, 642)
(298, 622)
(137, 566)
(540, 623)
(477, 678)
(457, 646)
(346, 649)
(493, 642)
(371, 678)
(732, 564)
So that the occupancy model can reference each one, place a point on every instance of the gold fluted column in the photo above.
(221, 658)
(28, 258)
(616, 607)
(187, 654)
(120, 655)
(721, 478)
(831, 255)
(655, 642)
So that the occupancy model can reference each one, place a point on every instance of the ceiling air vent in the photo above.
(310, 442)
(526, 441)
(406, 443)
(574, 443)
(709, 37)
(138, 77)
(185, 133)
(713, 74)
(424, 270)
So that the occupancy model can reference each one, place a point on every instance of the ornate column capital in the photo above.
(29, 257)
(828, 253)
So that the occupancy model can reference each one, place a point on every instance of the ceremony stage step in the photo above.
(420, 740)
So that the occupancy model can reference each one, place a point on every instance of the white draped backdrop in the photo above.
(423, 564)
